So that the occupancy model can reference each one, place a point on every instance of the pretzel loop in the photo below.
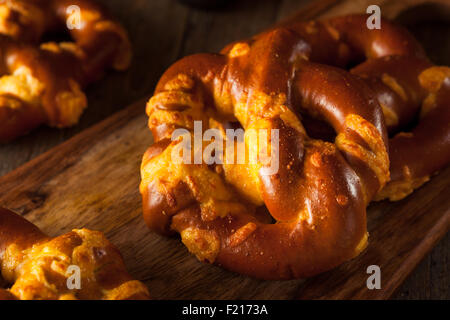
(318, 195)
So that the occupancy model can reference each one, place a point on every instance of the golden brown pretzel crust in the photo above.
(290, 78)
(42, 82)
(37, 265)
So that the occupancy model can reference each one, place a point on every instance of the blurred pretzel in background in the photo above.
(37, 266)
(42, 82)
(362, 115)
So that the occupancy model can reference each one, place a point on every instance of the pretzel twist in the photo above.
(291, 78)
(42, 82)
(37, 265)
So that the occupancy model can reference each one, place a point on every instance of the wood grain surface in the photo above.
(92, 179)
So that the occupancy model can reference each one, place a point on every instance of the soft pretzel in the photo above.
(291, 78)
(37, 266)
(42, 82)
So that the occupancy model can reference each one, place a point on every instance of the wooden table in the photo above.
(162, 31)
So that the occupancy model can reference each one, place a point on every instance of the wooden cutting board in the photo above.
(92, 181)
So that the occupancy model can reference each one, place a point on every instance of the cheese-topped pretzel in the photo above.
(318, 195)
(42, 82)
(39, 267)
(291, 78)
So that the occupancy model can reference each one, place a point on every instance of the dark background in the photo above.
(163, 31)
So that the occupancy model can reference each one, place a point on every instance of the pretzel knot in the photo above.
(42, 82)
(38, 267)
(332, 153)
